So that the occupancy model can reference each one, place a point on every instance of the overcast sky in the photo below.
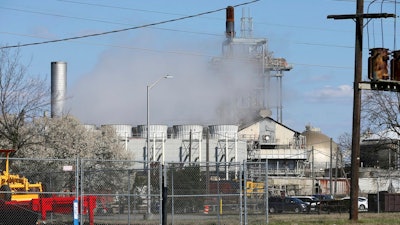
(108, 74)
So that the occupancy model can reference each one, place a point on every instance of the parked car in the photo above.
(311, 201)
(362, 203)
(286, 204)
(323, 197)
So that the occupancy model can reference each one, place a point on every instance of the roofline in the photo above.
(241, 127)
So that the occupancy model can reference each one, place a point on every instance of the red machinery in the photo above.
(21, 202)
(27, 212)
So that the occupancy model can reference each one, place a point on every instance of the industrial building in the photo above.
(293, 161)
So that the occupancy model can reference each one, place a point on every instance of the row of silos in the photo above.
(195, 132)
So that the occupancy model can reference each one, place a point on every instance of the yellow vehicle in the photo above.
(17, 188)
(255, 189)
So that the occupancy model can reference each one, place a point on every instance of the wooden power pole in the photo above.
(355, 151)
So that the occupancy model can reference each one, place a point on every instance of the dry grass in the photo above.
(334, 219)
(364, 218)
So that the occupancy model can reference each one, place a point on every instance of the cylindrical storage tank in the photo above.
(155, 131)
(395, 66)
(185, 131)
(58, 87)
(123, 131)
(223, 131)
(90, 127)
(377, 64)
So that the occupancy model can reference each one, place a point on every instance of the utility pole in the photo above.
(312, 171)
(330, 168)
(355, 147)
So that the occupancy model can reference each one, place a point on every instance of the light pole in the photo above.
(148, 142)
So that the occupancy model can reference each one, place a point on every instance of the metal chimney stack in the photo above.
(58, 87)
(230, 22)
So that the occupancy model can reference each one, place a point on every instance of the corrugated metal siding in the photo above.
(342, 186)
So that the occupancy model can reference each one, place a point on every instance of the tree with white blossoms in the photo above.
(66, 138)
(101, 152)
(24, 128)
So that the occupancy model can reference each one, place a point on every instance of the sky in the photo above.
(142, 41)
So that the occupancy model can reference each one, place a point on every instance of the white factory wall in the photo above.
(172, 149)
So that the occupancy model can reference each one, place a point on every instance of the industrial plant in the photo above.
(299, 163)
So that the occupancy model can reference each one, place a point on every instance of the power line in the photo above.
(119, 7)
(125, 29)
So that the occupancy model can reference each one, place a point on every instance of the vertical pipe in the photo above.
(148, 153)
(153, 149)
(180, 154)
(236, 156)
(190, 146)
(163, 148)
(226, 157)
(220, 206)
(200, 146)
(377, 186)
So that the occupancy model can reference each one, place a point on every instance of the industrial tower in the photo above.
(253, 52)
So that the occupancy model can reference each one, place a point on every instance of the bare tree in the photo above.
(380, 119)
(22, 98)
(345, 148)
(381, 111)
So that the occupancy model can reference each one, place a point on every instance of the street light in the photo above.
(148, 142)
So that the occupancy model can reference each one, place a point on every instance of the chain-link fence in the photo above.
(130, 192)
(33, 190)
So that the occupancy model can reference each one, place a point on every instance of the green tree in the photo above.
(187, 180)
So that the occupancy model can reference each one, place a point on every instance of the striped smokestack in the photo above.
(230, 22)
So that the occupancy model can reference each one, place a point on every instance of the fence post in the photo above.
(77, 172)
(245, 190)
(164, 196)
(266, 193)
(241, 193)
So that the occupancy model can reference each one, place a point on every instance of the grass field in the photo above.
(333, 219)
(364, 218)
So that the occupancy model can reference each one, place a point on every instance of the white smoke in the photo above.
(114, 92)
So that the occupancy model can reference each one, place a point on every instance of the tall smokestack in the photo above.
(230, 22)
(58, 87)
